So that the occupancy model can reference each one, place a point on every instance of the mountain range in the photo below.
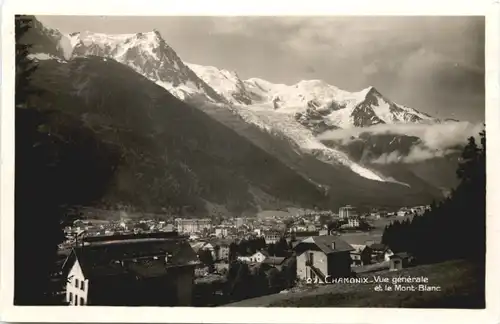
(257, 144)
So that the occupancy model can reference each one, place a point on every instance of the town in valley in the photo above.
(296, 243)
(240, 162)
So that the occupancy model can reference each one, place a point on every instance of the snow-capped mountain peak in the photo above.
(227, 83)
(302, 111)
(377, 109)
(312, 102)
(148, 54)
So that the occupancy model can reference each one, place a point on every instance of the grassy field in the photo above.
(461, 286)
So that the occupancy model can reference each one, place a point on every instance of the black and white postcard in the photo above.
(254, 166)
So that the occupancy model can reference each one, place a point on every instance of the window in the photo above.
(82, 302)
(76, 300)
(311, 257)
(82, 285)
(70, 298)
(77, 282)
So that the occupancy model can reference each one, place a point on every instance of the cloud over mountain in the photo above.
(436, 140)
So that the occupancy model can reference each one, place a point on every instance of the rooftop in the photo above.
(274, 260)
(324, 243)
(143, 258)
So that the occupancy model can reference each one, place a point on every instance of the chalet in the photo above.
(322, 256)
(400, 260)
(361, 255)
(129, 271)
(380, 252)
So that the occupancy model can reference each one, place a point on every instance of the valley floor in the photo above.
(461, 286)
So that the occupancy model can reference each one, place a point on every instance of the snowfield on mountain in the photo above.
(288, 121)
(149, 55)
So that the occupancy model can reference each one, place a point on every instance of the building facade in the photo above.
(347, 212)
(320, 258)
(193, 225)
(128, 271)
(77, 286)
(272, 237)
(353, 222)
(221, 232)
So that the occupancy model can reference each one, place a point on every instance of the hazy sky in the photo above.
(433, 64)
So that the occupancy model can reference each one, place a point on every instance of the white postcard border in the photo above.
(11, 313)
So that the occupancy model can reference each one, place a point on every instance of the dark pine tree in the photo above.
(261, 243)
(259, 282)
(281, 248)
(456, 226)
(233, 252)
(206, 257)
(59, 164)
(241, 285)
(271, 249)
(275, 280)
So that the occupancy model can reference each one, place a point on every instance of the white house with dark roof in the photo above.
(77, 286)
(323, 257)
(131, 271)
(257, 257)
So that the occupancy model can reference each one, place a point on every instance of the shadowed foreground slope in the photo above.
(461, 286)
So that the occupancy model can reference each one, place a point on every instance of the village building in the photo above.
(130, 271)
(206, 246)
(347, 212)
(257, 257)
(272, 237)
(276, 262)
(380, 252)
(221, 231)
(399, 261)
(296, 237)
(323, 257)
(193, 225)
(361, 255)
(221, 249)
(353, 222)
